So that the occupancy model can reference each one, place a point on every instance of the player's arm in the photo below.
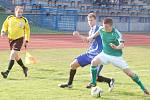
(90, 38)
(120, 46)
(27, 33)
(4, 28)
(82, 37)
(120, 40)
(97, 33)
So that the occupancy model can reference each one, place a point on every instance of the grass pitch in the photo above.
(53, 68)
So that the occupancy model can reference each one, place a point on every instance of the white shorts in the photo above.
(116, 61)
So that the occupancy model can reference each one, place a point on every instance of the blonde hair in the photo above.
(18, 7)
(90, 15)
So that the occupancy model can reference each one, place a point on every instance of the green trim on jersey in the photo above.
(114, 37)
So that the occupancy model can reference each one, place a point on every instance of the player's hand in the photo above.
(113, 46)
(89, 39)
(3, 34)
(76, 34)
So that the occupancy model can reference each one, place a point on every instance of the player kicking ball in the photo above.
(16, 26)
(95, 47)
(112, 53)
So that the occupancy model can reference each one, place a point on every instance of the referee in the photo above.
(18, 30)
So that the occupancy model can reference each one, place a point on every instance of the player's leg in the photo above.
(73, 67)
(94, 63)
(100, 59)
(119, 62)
(136, 79)
(82, 61)
(19, 61)
(11, 63)
(100, 78)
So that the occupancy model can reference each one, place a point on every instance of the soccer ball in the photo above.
(96, 91)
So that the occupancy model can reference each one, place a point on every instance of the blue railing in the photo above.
(50, 17)
(60, 20)
(7, 4)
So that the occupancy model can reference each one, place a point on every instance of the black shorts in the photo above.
(16, 44)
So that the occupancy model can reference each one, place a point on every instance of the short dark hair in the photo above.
(108, 20)
(90, 15)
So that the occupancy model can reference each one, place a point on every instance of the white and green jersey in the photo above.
(114, 37)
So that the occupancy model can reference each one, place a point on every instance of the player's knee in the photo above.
(73, 65)
(17, 58)
(13, 55)
(129, 72)
(94, 62)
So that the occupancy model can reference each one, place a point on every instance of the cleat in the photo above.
(25, 71)
(111, 85)
(4, 74)
(90, 85)
(146, 93)
(65, 85)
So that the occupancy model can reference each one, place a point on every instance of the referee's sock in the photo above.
(11, 63)
(21, 63)
(5, 74)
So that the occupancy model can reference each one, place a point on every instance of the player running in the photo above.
(84, 59)
(17, 27)
(112, 53)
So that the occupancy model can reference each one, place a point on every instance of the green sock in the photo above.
(94, 74)
(136, 79)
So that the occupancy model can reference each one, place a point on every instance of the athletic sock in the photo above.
(11, 63)
(103, 79)
(71, 77)
(94, 74)
(99, 68)
(136, 79)
(21, 63)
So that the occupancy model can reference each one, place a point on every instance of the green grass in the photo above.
(53, 68)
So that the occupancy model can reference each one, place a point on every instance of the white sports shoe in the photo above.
(111, 85)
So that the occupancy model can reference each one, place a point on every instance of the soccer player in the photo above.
(17, 28)
(112, 53)
(95, 47)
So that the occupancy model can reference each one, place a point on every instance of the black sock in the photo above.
(71, 77)
(11, 63)
(99, 69)
(103, 79)
(21, 63)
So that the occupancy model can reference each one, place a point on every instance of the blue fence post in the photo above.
(129, 24)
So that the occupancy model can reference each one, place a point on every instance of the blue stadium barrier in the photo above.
(7, 4)
(50, 16)
(60, 20)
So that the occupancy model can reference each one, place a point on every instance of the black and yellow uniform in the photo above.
(17, 29)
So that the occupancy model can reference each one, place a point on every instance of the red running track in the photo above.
(68, 41)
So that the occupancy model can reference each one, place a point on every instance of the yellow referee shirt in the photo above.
(16, 27)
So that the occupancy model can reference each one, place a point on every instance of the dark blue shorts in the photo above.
(84, 60)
